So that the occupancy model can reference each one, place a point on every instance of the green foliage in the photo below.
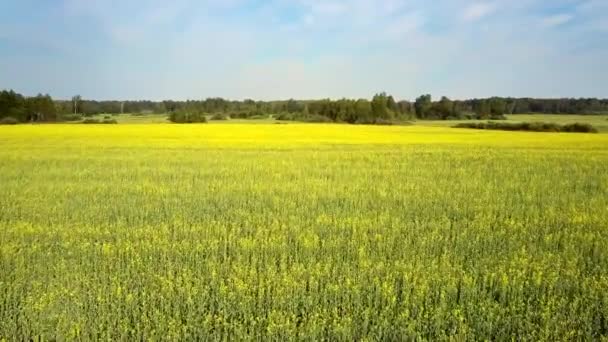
(530, 126)
(186, 117)
(422, 105)
(70, 117)
(97, 121)
(304, 118)
(384, 122)
(91, 121)
(380, 109)
(240, 115)
(8, 121)
(579, 127)
(37, 108)
(219, 117)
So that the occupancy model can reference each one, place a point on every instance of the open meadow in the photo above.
(306, 231)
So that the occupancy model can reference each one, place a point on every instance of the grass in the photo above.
(162, 232)
(135, 119)
(598, 121)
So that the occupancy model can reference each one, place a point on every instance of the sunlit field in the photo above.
(302, 231)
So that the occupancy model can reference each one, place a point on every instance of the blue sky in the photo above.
(278, 49)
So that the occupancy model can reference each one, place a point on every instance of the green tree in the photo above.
(445, 108)
(12, 105)
(363, 111)
(380, 107)
(392, 105)
(40, 108)
(423, 105)
(76, 103)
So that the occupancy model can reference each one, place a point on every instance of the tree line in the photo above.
(381, 108)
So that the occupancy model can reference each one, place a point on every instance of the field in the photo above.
(598, 121)
(163, 232)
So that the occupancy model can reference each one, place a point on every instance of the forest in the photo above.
(381, 108)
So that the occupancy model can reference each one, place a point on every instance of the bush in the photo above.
(9, 121)
(285, 117)
(384, 122)
(498, 117)
(313, 118)
(529, 126)
(107, 117)
(181, 117)
(71, 117)
(90, 121)
(239, 115)
(219, 116)
(109, 121)
(303, 118)
(579, 128)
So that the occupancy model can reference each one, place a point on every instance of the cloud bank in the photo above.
(281, 49)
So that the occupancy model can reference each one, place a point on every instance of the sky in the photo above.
(304, 49)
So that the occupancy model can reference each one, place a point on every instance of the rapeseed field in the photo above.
(301, 231)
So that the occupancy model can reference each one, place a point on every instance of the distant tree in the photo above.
(306, 112)
(497, 106)
(445, 108)
(75, 103)
(40, 108)
(392, 105)
(363, 111)
(12, 105)
(292, 106)
(423, 104)
(380, 107)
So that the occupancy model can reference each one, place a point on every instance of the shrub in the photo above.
(498, 117)
(107, 117)
(71, 117)
(313, 118)
(90, 121)
(109, 121)
(364, 121)
(529, 126)
(579, 128)
(285, 117)
(9, 121)
(384, 122)
(239, 115)
(182, 117)
(219, 116)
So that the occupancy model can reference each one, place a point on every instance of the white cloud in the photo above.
(404, 25)
(556, 20)
(478, 10)
(321, 48)
(593, 6)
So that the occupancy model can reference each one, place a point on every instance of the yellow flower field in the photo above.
(301, 231)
